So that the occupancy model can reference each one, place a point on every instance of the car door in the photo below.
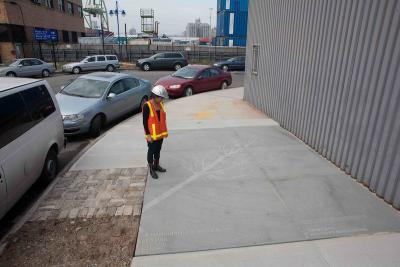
(115, 104)
(133, 93)
(15, 147)
(160, 61)
(215, 79)
(101, 63)
(203, 81)
(3, 193)
(37, 67)
(25, 68)
(90, 63)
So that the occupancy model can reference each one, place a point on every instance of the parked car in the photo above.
(195, 79)
(31, 137)
(169, 60)
(98, 62)
(93, 100)
(236, 63)
(28, 67)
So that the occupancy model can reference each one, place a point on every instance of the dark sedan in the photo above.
(236, 63)
(195, 79)
(168, 60)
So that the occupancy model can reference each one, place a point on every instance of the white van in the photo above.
(31, 136)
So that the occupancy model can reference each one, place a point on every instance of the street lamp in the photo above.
(116, 12)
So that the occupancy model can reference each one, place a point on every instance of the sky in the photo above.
(173, 15)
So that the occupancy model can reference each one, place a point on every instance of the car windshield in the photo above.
(85, 59)
(86, 88)
(14, 63)
(186, 73)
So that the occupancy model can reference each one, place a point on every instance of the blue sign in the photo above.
(46, 35)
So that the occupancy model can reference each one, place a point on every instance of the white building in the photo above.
(197, 29)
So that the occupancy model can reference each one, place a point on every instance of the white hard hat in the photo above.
(160, 90)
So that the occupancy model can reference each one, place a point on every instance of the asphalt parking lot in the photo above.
(77, 144)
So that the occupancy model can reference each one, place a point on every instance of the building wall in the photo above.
(329, 72)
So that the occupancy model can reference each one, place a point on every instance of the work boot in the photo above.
(157, 167)
(153, 172)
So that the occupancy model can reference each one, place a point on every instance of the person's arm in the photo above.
(146, 114)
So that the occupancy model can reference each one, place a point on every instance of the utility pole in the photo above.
(126, 44)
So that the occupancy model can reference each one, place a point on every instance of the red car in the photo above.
(194, 79)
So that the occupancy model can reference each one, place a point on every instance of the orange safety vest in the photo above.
(158, 128)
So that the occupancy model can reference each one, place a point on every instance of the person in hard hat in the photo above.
(155, 128)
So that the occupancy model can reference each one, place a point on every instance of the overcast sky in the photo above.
(173, 15)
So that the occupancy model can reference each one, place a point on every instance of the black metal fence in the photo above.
(130, 53)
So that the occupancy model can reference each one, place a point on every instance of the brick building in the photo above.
(20, 18)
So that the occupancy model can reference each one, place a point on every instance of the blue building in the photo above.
(232, 22)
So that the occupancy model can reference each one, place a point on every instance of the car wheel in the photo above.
(49, 171)
(146, 67)
(188, 91)
(143, 102)
(177, 66)
(224, 85)
(95, 127)
(45, 73)
(76, 70)
(11, 74)
(225, 67)
(110, 68)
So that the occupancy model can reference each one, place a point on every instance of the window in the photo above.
(49, 3)
(26, 63)
(37, 2)
(173, 55)
(101, 58)
(159, 56)
(70, 8)
(74, 37)
(38, 102)
(117, 88)
(254, 68)
(206, 74)
(65, 35)
(61, 5)
(214, 72)
(14, 119)
(80, 12)
(36, 62)
(111, 58)
(130, 83)
(91, 59)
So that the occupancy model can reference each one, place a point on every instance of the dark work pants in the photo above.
(153, 154)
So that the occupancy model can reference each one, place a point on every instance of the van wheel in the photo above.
(177, 66)
(110, 68)
(49, 171)
(45, 73)
(11, 74)
(146, 67)
(76, 70)
(95, 127)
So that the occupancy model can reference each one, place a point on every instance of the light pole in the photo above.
(117, 12)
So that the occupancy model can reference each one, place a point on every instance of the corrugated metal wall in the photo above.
(328, 71)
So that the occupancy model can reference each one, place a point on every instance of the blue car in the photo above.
(93, 100)
(236, 63)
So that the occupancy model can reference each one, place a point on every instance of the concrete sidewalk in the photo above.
(236, 179)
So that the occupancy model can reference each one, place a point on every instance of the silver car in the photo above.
(98, 62)
(93, 100)
(31, 137)
(28, 67)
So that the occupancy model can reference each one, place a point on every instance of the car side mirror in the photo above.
(20, 65)
(62, 87)
(111, 96)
